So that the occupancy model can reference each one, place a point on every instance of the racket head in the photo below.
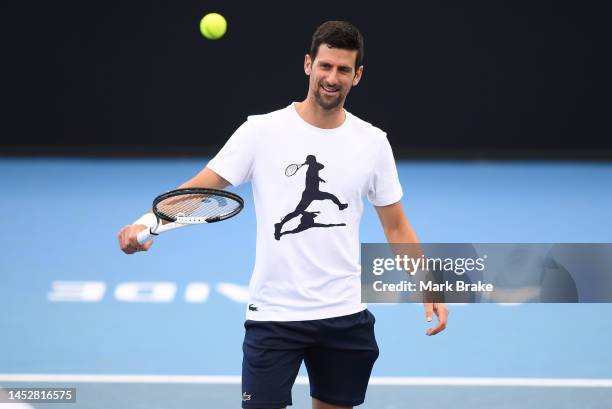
(291, 169)
(197, 205)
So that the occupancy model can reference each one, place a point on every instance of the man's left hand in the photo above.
(441, 312)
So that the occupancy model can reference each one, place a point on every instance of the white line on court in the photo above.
(303, 380)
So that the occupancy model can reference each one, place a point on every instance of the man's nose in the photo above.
(332, 77)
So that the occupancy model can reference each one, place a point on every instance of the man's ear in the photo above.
(358, 75)
(307, 64)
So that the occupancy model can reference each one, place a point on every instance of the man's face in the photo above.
(332, 74)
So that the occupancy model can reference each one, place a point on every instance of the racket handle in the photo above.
(145, 236)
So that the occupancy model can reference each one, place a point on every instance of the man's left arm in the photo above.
(399, 230)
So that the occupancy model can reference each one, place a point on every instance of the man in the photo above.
(305, 290)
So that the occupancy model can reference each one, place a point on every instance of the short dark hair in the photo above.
(338, 34)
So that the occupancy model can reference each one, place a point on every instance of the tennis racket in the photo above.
(184, 207)
(292, 169)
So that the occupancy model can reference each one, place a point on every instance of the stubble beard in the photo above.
(328, 105)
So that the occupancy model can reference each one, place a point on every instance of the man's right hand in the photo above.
(128, 241)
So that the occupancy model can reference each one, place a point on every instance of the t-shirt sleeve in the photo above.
(385, 187)
(236, 160)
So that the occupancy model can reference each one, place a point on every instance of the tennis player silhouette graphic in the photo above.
(310, 194)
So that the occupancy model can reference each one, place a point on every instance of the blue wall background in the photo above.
(61, 218)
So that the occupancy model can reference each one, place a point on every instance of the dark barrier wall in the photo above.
(137, 77)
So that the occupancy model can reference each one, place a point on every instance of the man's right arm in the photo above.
(206, 178)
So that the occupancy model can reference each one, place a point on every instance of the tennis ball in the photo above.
(213, 26)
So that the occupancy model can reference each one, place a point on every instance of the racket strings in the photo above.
(291, 169)
(196, 205)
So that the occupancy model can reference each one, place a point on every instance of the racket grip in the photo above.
(144, 236)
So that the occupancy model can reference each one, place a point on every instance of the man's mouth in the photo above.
(330, 90)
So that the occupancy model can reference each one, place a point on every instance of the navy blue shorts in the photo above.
(338, 353)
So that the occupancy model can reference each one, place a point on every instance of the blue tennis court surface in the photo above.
(72, 304)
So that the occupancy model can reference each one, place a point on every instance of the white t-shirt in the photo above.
(308, 267)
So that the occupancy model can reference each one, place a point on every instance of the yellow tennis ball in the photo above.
(213, 26)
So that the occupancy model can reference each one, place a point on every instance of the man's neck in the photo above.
(312, 113)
